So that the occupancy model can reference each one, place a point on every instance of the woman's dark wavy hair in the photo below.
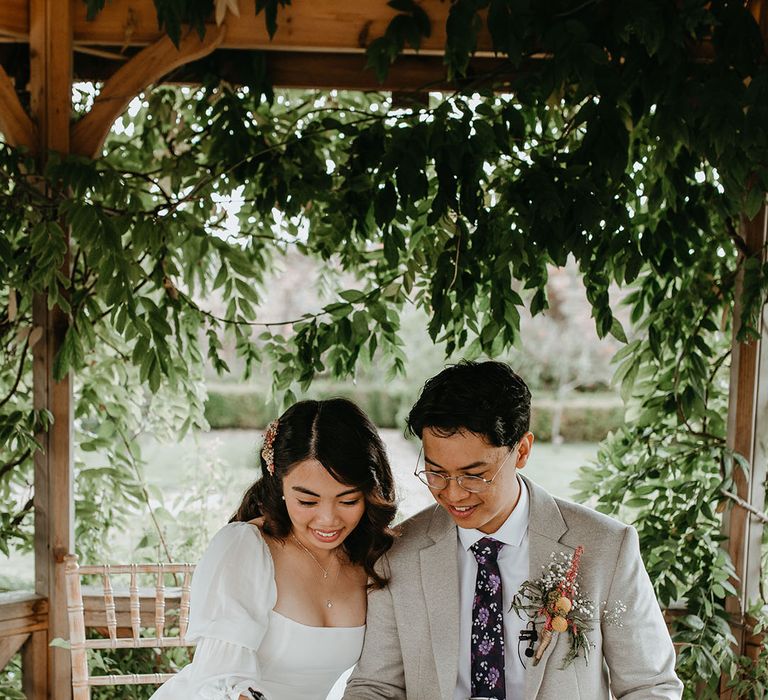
(485, 398)
(341, 437)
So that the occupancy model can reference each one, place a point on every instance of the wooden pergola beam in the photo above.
(145, 68)
(24, 625)
(305, 25)
(336, 33)
(14, 20)
(410, 73)
(320, 71)
(297, 69)
(15, 124)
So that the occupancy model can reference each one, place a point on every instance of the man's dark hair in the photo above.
(486, 398)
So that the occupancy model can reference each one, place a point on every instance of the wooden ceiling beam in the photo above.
(285, 69)
(305, 25)
(145, 68)
(321, 71)
(15, 124)
(14, 19)
(410, 73)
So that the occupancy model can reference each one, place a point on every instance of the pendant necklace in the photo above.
(328, 602)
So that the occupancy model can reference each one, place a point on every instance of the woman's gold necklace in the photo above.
(328, 602)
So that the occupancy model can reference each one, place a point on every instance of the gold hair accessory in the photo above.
(268, 450)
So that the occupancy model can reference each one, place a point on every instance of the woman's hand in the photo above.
(253, 694)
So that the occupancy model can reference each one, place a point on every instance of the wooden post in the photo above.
(747, 431)
(34, 656)
(50, 39)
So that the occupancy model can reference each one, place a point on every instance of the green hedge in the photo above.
(584, 419)
(242, 408)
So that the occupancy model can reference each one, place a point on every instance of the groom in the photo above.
(443, 628)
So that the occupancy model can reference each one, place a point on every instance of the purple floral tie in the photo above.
(487, 668)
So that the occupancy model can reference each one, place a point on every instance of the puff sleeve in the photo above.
(233, 590)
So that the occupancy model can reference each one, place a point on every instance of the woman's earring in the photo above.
(283, 497)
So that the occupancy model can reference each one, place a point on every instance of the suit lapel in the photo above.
(545, 529)
(440, 582)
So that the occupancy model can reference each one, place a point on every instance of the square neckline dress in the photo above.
(242, 641)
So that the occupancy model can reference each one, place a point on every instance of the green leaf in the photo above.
(353, 296)
(385, 204)
(754, 200)
(94, 7)
(270, 8)
(59, 643)
(360, 325)
(626, 351)
(539, 302)
(403, 5)
(70, 355)
(617, 330)
(462, 28)
(628, 382)
(380, 54)
(636, 502)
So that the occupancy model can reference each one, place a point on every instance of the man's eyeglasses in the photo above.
(437, 481)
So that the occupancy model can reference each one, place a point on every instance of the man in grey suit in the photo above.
(443, 628)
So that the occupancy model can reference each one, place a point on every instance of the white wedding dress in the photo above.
(242, 641)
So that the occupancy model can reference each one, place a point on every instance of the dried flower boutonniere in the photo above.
(556, 596)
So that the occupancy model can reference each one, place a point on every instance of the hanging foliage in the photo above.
(607, 139)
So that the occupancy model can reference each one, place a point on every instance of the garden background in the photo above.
(623, 146)
(193, 485)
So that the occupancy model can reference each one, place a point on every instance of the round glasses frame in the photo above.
(474, 484)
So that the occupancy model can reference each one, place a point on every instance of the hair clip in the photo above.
(268, 450)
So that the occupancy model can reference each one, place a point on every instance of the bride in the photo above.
(279, 597)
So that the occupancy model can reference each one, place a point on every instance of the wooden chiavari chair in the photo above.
(113, 619)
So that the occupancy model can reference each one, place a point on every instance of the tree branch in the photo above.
(15, 463)
(575, 10)
(22, 513)
(145, 494)
(262, 324)
(19, 373)
(762, 517)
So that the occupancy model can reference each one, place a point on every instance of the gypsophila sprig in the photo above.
(614, 615)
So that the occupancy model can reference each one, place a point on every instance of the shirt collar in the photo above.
(512, 530)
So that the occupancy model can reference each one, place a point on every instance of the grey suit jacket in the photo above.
(411, 642)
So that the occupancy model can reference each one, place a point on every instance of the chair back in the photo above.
(119, 617)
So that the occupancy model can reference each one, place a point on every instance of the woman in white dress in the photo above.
(279, 597)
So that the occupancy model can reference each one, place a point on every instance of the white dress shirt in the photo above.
(513, 566)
